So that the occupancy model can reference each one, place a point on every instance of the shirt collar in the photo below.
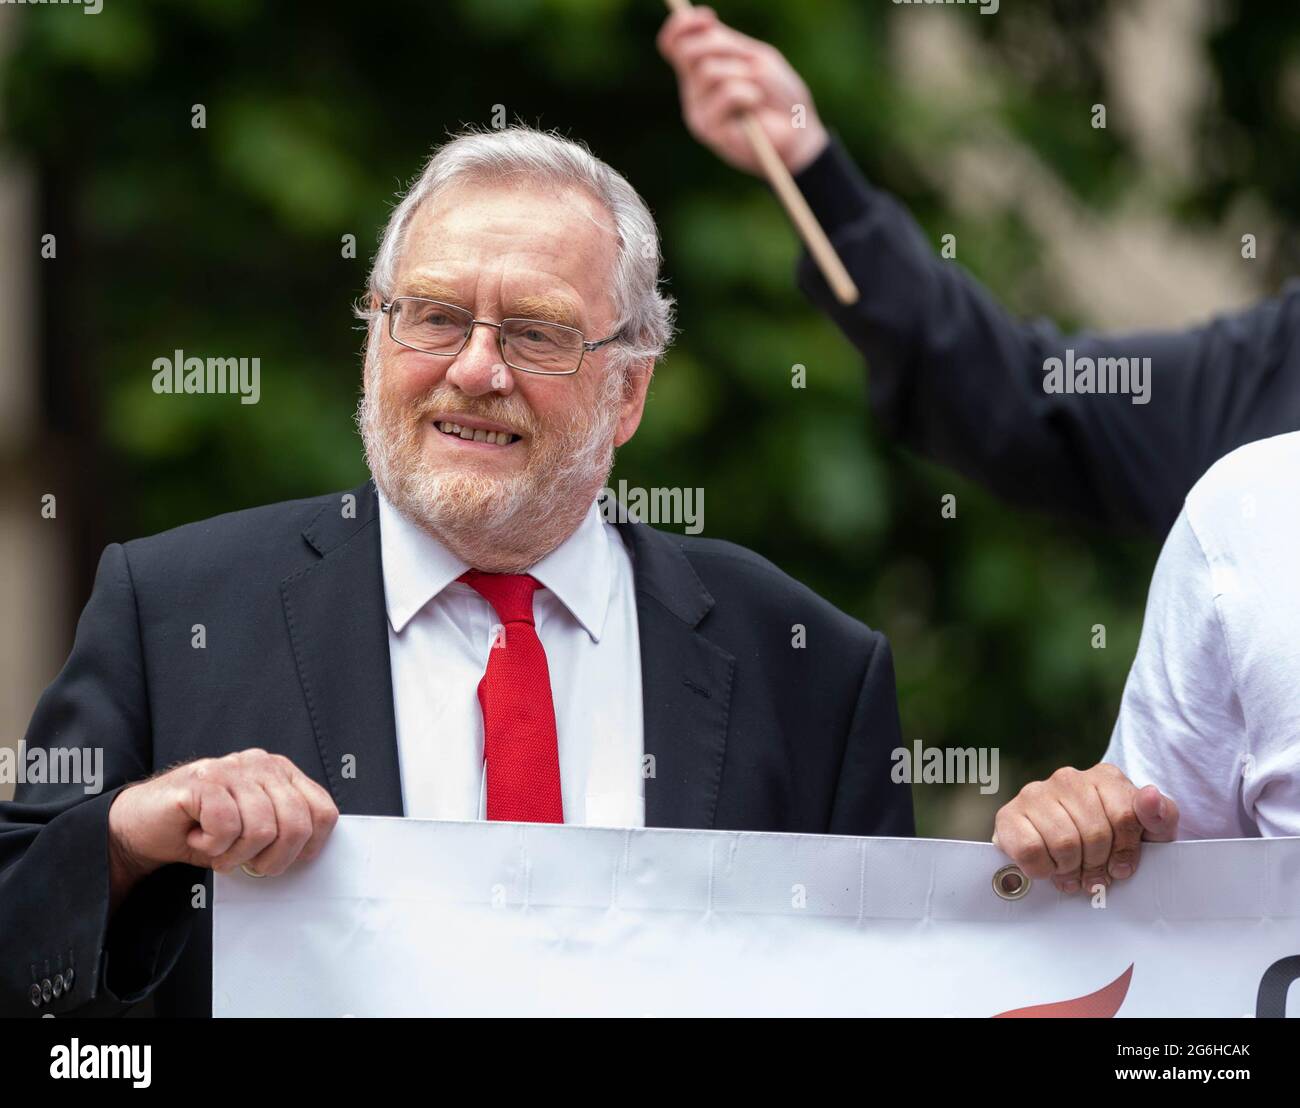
(417, 567)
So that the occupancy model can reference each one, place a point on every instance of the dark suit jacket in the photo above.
(747, 732)
(958, 378)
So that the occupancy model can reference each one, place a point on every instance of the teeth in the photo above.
(471, 434)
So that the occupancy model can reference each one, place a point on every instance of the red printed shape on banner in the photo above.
(1103, 1004)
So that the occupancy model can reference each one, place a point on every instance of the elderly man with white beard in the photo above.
(464, 637)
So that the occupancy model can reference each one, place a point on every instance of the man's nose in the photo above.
(479, 369)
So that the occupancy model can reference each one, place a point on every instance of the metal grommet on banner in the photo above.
(1010, 883)
(250, 870)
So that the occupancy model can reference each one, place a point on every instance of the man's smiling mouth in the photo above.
(475, 434)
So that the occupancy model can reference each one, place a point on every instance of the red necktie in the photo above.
(519, 738)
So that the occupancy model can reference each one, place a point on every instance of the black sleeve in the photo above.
(958, 379)
(59, 951)
(867, 799)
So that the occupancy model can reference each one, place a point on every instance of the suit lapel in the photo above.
(338, 626)
(686, 683)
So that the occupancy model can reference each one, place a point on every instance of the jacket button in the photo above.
(35, 995)
(58, 984)
(47, 990)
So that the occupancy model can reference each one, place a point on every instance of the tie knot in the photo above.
(511, 594)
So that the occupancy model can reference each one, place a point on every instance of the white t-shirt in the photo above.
(1211, 710)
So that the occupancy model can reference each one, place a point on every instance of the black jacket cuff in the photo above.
(148, 933)
(93, 965)
(834, 187)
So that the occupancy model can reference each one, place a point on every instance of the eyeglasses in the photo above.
(529, 345)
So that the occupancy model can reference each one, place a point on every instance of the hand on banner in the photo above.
(250, 807)
(1083, 828)
(722, 73)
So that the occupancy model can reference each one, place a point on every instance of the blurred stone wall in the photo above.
(34, 623)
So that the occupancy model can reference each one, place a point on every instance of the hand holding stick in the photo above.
(819, 246)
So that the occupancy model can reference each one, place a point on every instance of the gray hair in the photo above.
(645, 315)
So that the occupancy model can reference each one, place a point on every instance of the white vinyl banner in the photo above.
(401, 917)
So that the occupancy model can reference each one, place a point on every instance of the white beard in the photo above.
(495, 524)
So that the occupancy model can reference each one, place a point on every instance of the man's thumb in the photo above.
(1157, 814)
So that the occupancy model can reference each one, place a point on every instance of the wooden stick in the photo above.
(819, 246)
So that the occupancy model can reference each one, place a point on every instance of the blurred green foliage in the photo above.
(227, 240)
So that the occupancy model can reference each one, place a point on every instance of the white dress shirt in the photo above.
(439, 635)
(1211, 710)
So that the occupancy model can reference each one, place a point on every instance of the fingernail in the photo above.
(1161, 809)
(1121, 870)
(1072, 886)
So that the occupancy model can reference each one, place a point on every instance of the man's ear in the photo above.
(636, 385)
